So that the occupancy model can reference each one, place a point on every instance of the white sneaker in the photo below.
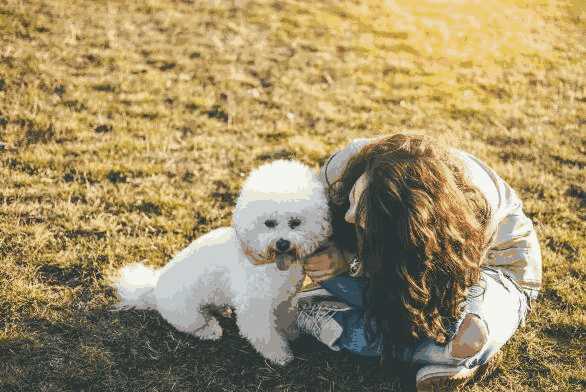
(442, 378)
(318, 292)
(311, 291)
(317, 319)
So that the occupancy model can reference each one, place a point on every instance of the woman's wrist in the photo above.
(353, 262)
(326, 263)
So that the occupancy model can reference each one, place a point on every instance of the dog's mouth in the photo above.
(284, 260)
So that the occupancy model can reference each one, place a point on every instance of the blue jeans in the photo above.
(497, 300)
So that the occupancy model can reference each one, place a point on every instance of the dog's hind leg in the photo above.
(211, 330)
(197, 322)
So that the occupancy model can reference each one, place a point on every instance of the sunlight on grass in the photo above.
(462, 32)
(472, 31)
(128, 127)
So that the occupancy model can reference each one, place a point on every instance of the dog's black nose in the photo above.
(283, 245)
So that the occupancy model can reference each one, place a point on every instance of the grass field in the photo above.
(128, 126)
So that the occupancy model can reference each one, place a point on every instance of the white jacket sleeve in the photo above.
(335, 165)
(514, 248)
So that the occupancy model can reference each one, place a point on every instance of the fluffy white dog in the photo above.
(280, 217)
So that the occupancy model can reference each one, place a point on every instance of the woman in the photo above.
(432, 259)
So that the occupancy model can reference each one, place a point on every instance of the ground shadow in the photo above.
(139, 351)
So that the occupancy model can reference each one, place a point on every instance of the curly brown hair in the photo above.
(423, 238)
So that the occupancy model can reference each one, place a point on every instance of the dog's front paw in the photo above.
(280, 357)
(277, 351)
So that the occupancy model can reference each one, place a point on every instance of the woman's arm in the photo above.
(514, 247)
(331, 261)
(326, 263)
(334, 166)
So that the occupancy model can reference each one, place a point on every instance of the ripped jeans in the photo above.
(497, 300)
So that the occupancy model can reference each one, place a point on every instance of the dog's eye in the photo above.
(294, 222)
(270, 223)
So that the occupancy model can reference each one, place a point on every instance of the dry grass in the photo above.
(127, 128)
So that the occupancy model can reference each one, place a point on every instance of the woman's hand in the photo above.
(326, 263)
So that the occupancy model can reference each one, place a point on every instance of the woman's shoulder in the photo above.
(355, 145)
(500, 196)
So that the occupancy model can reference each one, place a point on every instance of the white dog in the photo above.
(280, 217)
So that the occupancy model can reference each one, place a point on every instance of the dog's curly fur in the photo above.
(234, 266)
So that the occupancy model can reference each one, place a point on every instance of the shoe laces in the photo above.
(312, 316)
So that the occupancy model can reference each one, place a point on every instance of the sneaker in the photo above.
(317, 293)
(442, 378)
(316, 318)
(310, 290)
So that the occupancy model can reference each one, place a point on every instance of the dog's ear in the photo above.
(253, 258)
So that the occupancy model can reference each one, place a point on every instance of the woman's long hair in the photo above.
(422, 239)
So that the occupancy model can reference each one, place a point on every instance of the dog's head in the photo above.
(282, 213)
